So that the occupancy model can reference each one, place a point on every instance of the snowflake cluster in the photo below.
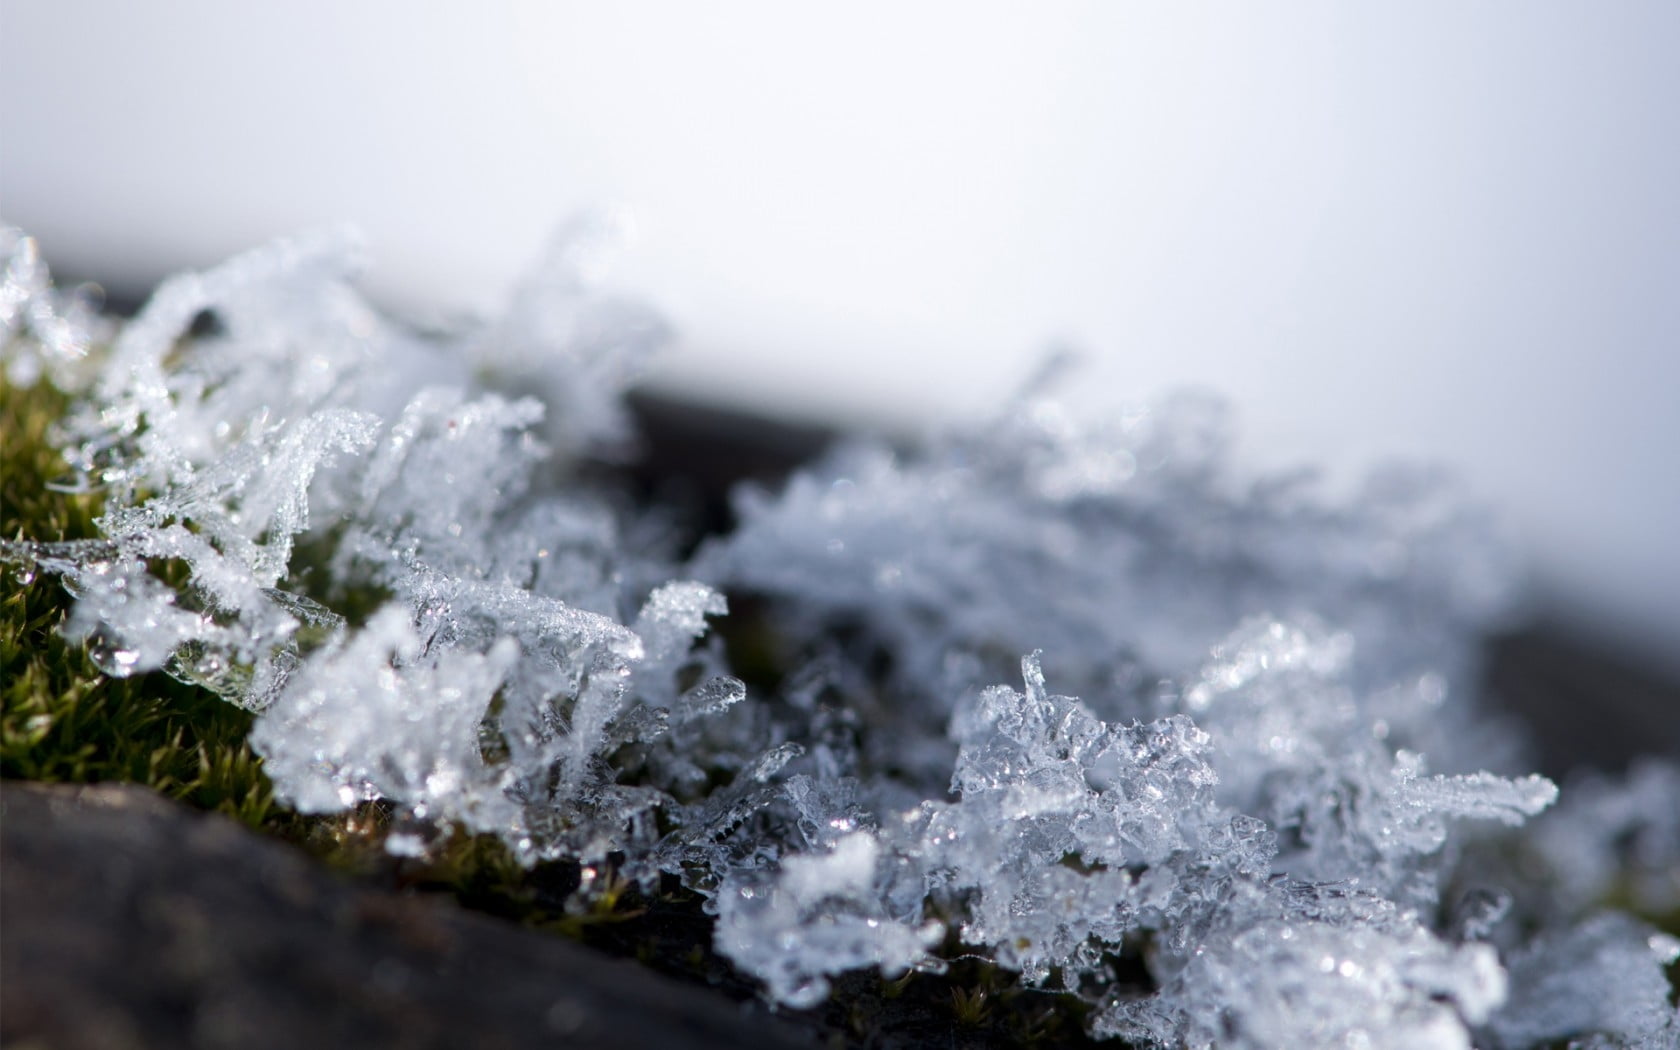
(1270, 784)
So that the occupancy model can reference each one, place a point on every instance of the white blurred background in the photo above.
(1430, 230)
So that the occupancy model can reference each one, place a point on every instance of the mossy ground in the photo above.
(63, 721)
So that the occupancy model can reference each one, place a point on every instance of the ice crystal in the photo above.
(44, 332)
(825, 913)
(1313, 965)
(1025, 535)
(1616, 836)
(1263, 775)
(1601, 979)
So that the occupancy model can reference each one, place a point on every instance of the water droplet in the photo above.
(113, 660)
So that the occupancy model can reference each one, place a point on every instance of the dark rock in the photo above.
(1583, 705)
(127, 920)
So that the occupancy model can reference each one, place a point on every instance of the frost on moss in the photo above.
(1261, 778)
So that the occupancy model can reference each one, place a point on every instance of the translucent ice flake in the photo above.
(377, 716)
(1296, 742)
(1602, 978)
(1112, 793)
(576, 349)
(1375, 818)
(1058, 811)
(44, 333)
(952, 557)
(822, 915)
(289, 338)
(1616, 835)
(267, 442)
(1284, 965)
(1274, 792)
(248, 505)
(674, 616)
(1039, 857)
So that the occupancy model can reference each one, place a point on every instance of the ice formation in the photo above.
(1268, 779)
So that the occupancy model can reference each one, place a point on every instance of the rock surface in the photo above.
(130, 921)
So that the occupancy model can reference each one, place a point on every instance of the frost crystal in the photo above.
(1603, 978)
(1617, 836)
(1295, 965)
(1268, 785)
(825, 913)
(43, 332)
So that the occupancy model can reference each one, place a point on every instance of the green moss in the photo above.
(62, 720)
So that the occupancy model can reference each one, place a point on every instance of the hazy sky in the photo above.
(1431, 229)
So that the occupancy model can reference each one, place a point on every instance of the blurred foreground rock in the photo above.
(129, 921)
